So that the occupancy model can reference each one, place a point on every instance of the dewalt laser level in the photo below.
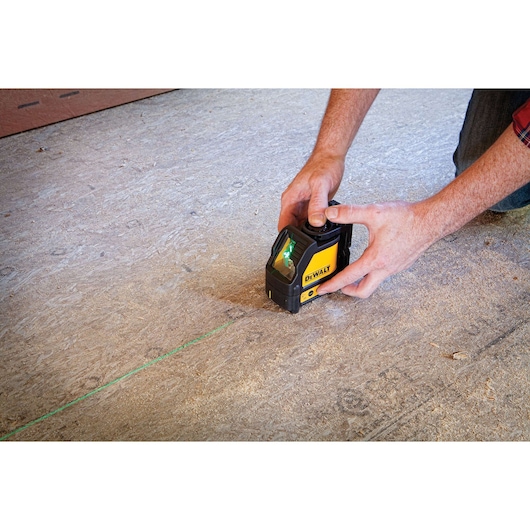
(303, 258)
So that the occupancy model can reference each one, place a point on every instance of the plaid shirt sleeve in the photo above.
(521, 123)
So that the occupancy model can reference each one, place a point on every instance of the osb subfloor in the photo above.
(134, 232)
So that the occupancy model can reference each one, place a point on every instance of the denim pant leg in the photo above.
(488, 114)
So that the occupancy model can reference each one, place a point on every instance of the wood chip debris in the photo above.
(490, 391)
(456, 355)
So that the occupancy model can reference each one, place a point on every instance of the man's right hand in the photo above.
(307, 197)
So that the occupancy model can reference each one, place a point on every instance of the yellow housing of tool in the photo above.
(322, 264)
(303, 258)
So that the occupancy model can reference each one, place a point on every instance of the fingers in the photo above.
(293, 207)
(348, 276)
(397, 236)
(360, 279)
(361, 287)
(306, 198)
(287, 218)
(312, 209)
(348, 213)
(366, 286)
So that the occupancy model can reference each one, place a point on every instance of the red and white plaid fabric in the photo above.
(521, 123)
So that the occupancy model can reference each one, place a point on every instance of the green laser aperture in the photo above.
(288, 252)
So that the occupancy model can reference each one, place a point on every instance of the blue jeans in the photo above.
(488, 114)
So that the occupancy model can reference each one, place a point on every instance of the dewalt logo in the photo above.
(316, 274)
(322, 264)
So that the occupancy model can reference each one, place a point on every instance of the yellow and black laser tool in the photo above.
(303, 258)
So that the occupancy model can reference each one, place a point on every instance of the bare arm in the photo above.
(504, 168)
(308, 194)
(400, 232)
(344, 115)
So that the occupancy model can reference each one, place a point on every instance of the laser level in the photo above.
(303, 258)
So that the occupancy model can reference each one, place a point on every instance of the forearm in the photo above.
(307, 196)
(344, 115)
(504, 168)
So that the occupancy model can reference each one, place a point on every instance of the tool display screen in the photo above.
(283, 262)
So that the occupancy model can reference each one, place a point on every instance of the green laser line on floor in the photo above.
(113, 382)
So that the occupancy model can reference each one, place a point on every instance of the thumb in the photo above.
(318, 204)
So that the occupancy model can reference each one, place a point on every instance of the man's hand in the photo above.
(397, 235)
(399, 231)
(308, 194)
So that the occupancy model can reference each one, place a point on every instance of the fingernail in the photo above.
(332, 213)
(317, 219)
